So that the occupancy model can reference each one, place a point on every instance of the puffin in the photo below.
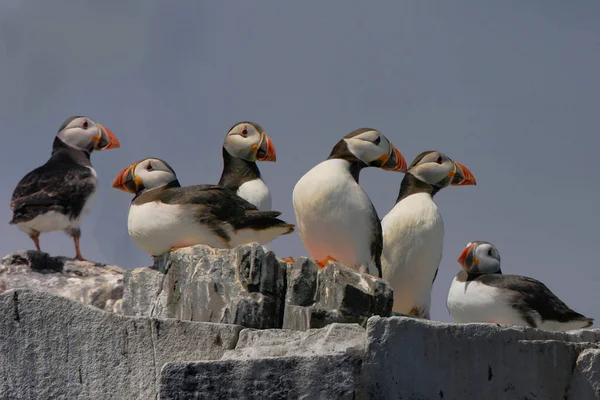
(165, 216)
(335, 217)
(60, 193)
(245, 143)
(413, 231)
(481, 293)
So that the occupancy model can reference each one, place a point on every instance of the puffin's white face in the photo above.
(480, 258)
(374, 149)
(249, 142)
(434, 168)
(83, 133)
(149, 173)
(437, 169)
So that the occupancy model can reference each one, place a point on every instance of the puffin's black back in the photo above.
(62, 185)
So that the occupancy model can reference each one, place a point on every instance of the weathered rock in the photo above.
(333, 339)
(317, 297)
(275, 364)
(586, 376)
(143, 287)
(244, 286)
(54, 348)
(408, 358)
(95, 284)
(250, 287)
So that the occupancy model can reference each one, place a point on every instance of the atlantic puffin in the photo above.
(164, 215)
(335, 217)
(413, 231)
(60, 193)
(245, 143)
(481, 293)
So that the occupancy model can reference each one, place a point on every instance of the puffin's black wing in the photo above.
(376, 240)
(531, 294)
(54, 186)
(217, 204)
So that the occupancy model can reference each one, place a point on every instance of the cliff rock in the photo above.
(54, 347)
(95, 284)
(249, 286)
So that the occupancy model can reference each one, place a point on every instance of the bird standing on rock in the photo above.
(481, 293)
(335, 217)
(60, 193)
(164, 215)
(413, 231)
(246, 143)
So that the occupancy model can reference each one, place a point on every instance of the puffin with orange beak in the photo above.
(60, 193)
(164, 215)
(335, 217)
(245, 143)
(481, 293)
(413, 231)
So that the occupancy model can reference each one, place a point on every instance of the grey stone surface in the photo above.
(586, 376)
(316, 377)
(249, 286)
(95, 284)
(54, 348)
(408, 358)
(244, 286)
(274, 364)
(333, 339)
(317, 297)
(142, 287)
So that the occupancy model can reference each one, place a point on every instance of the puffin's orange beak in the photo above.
(126, 180)
(266, 150)
(107, 139)
(462, 176)
(395, 161)
(462, 259)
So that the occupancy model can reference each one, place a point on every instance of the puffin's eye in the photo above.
(439, 160)
(377, 141)
(84, 125)
(149, 167)
(244, 133)
(490, 252)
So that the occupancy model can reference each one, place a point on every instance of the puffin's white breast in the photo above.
(413, 235)
(156, 227)
(475, 302)
(334, 215)
(257, 193)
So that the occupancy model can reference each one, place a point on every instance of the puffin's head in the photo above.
(437, 169)
(372, 148)
(480, 257)
(149, 173)
(248, 141)
(85, 134)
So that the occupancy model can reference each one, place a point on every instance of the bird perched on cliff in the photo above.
(246, 143)
(481, 293)
(60, 193)
(413, 231)
(164, 215)
(335, 217)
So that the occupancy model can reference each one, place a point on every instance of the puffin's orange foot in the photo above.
(176, 247)
(324, 262)
(289, 260)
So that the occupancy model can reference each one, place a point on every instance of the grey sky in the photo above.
(510, 89)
